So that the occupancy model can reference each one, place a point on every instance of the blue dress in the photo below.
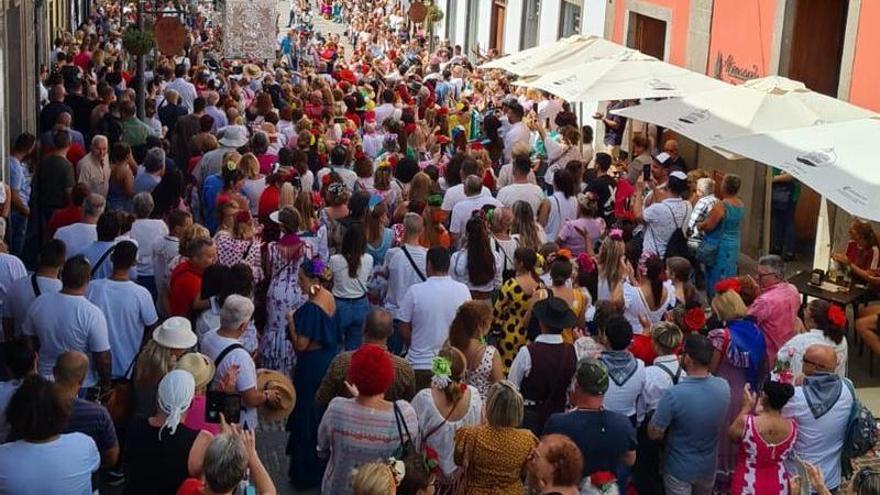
(306, 470)
(728, 231)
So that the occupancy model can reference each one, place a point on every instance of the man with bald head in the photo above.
(820, 407)
(94, 169)
(63, 122)
(89, 418)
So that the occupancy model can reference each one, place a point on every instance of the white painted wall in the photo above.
(485, 24)
(593, 17)
(461, 8)
(548, 28)
(512, 25)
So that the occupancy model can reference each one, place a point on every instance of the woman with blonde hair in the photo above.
(740, 357)
(374, 478)
(467, 333)
(169, 341)
(379, 235)
(525, 229)
(612, 268)
(492, 455)
(237, 243)
(420, 188)
(448, 405)
(254, 181)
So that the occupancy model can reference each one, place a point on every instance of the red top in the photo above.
(192, 486)
(185, 285)
(82, 60)
(64, 217)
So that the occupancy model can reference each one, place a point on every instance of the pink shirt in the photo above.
(195, 418)
(775, 311)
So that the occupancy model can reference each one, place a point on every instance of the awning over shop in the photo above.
(835, 160)
(761, 105)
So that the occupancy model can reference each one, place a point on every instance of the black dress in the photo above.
(154, 466)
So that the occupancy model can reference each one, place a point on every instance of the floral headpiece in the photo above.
(586, 263)
(316, 268)
(563, 252)
(336, 188)
(695, 319)
(435, 200)
(727, 284)
(836, 315)
(441, 368)
(615, 234)
(231, 165)
(398, 470)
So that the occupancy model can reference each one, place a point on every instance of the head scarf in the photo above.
(176, 391)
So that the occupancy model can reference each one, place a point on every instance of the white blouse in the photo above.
(459, 271)
(635, 305)
(792, 352)
(443, 440)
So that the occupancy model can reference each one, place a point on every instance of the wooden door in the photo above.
(496, 39)
(817, 44)
(648, 35)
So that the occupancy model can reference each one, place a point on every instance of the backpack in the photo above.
(861, 432)
(677, 245)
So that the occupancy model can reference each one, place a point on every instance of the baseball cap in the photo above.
(592, 376)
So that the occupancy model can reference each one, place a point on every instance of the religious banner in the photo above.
(170, 35)
(249, 29)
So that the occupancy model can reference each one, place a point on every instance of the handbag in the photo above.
(119, 400)
(406, 450)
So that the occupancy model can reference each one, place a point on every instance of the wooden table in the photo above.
(853, 297)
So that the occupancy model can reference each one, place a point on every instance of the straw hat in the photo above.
(252, 70)
(201, 368)
(273, 380)
(175, 333)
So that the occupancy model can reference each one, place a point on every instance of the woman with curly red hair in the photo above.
(366, 427)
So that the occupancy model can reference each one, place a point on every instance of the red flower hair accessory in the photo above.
(586, 263)
(695, 319)
(726, 285)
(836, 316)
(601, 478)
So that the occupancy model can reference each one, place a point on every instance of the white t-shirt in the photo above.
(793, 351)
(64, 465)
(430, 316)
(212, 344)
(6, 390)
(819, 441)
(463, 210)
(455, 194)
(402, 275)
(64, 322)
(11, 269)
(20, 295)
(517, 133)
(77, 236)
(145, 231)
(530, 193)
(165, 250)
(561, 210)
(345, 286)
(661, 220)
(128, 308)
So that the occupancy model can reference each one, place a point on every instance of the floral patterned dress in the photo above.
(759, 467)
(282, 266)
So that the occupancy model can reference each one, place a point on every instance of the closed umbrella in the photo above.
(835, 160)
(761, 105)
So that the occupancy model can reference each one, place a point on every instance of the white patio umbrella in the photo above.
(761, 105)
(626, 75)
(543, 59)
(835, 160)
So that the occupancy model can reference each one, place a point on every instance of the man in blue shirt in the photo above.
(606, 439)
(691, 415)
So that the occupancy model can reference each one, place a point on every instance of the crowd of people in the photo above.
(466, 295)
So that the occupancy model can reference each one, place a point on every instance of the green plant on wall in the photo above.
(138, 42)
(434, 16)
